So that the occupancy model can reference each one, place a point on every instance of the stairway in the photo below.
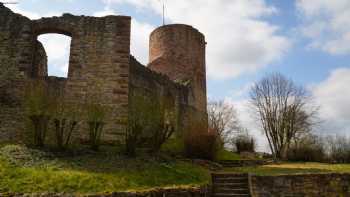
(230, 185)
(231, 163)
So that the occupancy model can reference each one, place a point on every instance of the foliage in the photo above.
(313, 148)
(199, 143)
(284, 110)
(338, 149)
(66, 118)
(140, 119)
(164, 120)
(308, 149)
(39, 109)
(224, 154)
(98, 173)
(243, 142)
(223, 120)
(151, 124)
(174, 146)
(96, 113)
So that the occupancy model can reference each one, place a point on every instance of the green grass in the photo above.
(99, 173)
(226, 155)
(293, 168)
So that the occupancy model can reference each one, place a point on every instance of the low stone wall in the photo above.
(190, 192)
(306, 185)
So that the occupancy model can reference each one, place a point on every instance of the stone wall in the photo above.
(39, 61)
(100, 69)
(152, 85)
(16, 48)
(178, 51)
(98, 63)
(310, 185)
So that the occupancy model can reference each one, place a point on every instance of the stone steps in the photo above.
(230, 185)
(243, 163)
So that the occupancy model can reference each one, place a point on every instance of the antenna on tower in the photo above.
(163, 13)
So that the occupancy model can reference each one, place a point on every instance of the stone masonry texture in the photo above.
(303, 185)
(100, 64)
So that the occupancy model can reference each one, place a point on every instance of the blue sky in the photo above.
(308, 41)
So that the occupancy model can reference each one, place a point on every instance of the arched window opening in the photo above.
(57, 47)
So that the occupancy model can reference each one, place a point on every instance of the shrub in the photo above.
(66, 118)
(244, 143)
(310, 149)
(139, 120)
(39, 105)
(164, 123)
(151, 124)
(199, 143)
(96, 115)
(339, 149)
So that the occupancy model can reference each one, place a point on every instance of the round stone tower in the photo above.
(178, 51)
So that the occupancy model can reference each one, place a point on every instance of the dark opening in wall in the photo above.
(57, 47)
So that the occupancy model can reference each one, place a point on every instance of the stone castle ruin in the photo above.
(100, 52)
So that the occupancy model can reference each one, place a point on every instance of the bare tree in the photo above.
(223, 120)
(284, 111)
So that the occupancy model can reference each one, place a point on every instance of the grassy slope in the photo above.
(294, 168)
(227, 155)
(98, 173)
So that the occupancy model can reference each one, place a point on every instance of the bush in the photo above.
(151, 124)
(244, 143)
(96, 115)
(39, 106)
(308, 150)
(339, 149)
(139, 121)
(199, 143)
(164, 123)
(66, 119)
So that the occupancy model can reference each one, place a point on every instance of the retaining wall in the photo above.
(306, 185)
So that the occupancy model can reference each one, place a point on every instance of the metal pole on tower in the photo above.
(163, 13)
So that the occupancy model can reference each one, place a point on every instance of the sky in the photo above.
(308, 41)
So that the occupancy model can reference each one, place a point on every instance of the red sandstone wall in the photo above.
(16, 48)
(100, 50)
(178, 51)
(40, 61)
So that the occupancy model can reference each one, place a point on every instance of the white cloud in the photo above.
(239, 40)
(333, 97)
(327, 24)
(57, 49)
(107, 11)
(140, 40)
(15, 8)
(249, 121)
